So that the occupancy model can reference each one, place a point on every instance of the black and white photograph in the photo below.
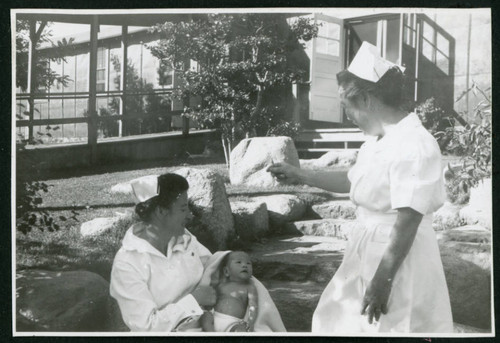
(214, 172)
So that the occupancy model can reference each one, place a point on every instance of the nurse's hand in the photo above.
(285, 172)
(375, 300)
(205, 295)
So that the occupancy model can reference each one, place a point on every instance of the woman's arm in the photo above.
(401, 240)
(139, 310)
(333, 181)
(253, 300)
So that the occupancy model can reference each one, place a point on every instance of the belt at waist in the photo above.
(369, 218)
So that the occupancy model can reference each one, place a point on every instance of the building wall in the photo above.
(475, 56)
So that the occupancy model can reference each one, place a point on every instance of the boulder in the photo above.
(123, 187)
(98, 225)
(338, 228)
(251, 219)
(213, 224)
(337, 158)
(479, 209)
(446, 217)
(469, 287)
(283, 208)
(62, 301)
(466, 255)
(344, 209)
(467, 233)
(251, 157)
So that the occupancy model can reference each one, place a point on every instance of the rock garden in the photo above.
(295, 236)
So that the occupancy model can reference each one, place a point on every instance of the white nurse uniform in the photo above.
(401, 169)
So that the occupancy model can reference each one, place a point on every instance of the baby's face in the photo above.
(239, 267)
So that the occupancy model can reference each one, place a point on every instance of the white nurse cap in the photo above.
(369, 65)
(145, 187)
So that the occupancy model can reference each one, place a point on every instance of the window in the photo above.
(410, 29)
(101, 69)
(327, 41)
(435, 47)
(165, 74)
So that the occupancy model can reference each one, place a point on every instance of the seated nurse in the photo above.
(162, 276)
(156, 272)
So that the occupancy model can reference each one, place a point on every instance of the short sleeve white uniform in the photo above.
(402, 169)
(153, 289)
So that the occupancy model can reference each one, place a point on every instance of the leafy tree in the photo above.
(29, 191)
(45, 76)
(241, 71)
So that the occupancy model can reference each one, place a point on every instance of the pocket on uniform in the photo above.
(374, 250)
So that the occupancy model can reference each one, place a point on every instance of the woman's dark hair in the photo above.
(170, 186)
(389, 89)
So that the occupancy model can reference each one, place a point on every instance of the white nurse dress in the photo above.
(402, 169)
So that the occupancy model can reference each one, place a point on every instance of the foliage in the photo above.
(436, 121)
(240, 67)
(28, 191)
(45, 76)
(146, 112)
(474, 144)
(29, 194)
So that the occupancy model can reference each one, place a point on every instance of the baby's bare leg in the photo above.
(207, 322)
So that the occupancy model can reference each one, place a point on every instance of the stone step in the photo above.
(296, 302)
(306, 258)
(337, 228)
(344, 209)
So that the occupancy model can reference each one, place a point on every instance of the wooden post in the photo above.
(123, 81)
(92, 112)
(31, 76)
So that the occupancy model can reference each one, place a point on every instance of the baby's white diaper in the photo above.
(224, 322)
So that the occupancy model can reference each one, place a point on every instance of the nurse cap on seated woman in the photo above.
(156, 273)
(391, 278)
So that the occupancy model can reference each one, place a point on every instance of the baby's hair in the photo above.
(225, 261)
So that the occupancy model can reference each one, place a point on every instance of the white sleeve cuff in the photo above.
(190, 305)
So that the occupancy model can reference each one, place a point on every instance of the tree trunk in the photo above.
(226, 148)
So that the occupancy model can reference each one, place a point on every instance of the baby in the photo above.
(236, 306)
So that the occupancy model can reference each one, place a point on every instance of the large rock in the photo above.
(333, 158)
(251, 157)
(446, 217)
(479, 209)
(63, 301)
(338, 228)
(98, 225)
(344, 209)
(213, 224)
(466, 256)
(251, 219)
(283, 208)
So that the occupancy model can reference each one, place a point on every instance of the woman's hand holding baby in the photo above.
(205, 295)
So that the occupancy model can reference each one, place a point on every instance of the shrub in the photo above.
(473, 142)
(436, 121)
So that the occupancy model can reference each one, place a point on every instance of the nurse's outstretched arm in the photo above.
(402, 236)
(332, 181)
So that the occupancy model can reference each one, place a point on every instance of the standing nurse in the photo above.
(391, 278)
